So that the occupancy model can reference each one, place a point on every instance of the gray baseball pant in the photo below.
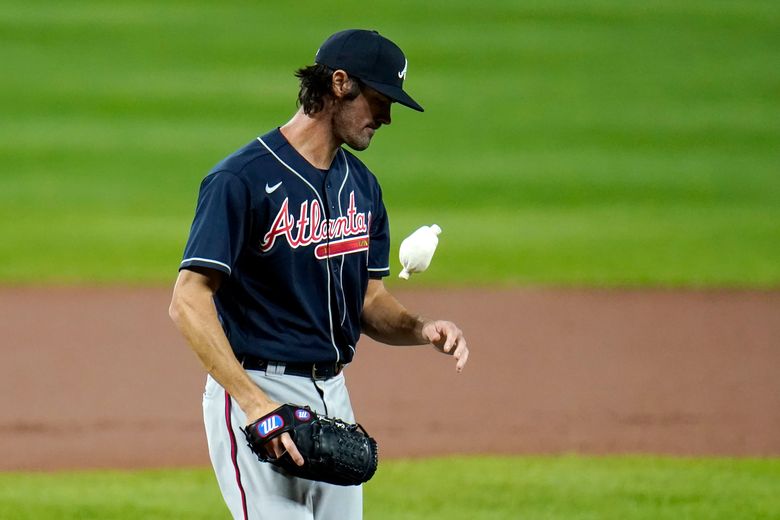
(255, 490)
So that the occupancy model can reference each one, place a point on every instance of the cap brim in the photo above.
(396, 94)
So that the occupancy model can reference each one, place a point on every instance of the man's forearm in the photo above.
(402, 330)
(386, 320)
(193, 311)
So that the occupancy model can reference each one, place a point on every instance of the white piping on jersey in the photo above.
(378, 268)
(316, 193)
(368, 253)
(341, 214)
(207, 260)
(327, 260)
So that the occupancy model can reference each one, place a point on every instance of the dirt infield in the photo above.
(100, 377)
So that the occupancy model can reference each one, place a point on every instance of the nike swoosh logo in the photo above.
(271, 189)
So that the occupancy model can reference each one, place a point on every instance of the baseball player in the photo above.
(283, 270)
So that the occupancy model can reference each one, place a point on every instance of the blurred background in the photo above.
(607, 177)
(600, 143)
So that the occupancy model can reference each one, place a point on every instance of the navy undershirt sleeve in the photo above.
(220, 224)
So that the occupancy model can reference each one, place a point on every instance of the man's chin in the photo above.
(359, 146)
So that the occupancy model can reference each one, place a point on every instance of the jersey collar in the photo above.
(287, 152)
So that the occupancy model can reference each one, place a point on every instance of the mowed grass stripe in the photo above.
(557, 246)
(553, 118)
(566, 487)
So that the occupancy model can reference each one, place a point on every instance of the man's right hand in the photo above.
(280, 445)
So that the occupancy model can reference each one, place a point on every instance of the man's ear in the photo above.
(341, 84)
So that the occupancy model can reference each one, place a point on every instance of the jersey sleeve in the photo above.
(379, 243)
(220, 223)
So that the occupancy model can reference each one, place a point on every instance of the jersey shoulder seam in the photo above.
(239, 169)
(235, 174)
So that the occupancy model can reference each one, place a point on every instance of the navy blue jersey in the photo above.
(297, 245)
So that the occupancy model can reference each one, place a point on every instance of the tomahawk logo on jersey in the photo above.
(322, 233)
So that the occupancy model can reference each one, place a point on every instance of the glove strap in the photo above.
(268, 427)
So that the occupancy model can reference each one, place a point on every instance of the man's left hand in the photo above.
(447, 338)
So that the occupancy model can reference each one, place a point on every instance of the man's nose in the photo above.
(383, 116)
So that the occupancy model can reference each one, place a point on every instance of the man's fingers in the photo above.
(275, 448)
(284, 444)
(462, 355)
(289, 445)
(453, 335)
(449, 344)
(450, 341)
(434, 336)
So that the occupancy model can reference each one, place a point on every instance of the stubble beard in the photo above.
(346, 129)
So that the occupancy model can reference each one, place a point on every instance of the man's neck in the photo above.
(312, 138)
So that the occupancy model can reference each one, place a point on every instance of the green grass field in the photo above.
(595, 142)
(581, 143)
(549, 488)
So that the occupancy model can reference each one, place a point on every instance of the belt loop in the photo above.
(275, 368)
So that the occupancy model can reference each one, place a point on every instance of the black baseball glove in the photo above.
(333, 451)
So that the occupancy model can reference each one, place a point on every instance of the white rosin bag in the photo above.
(417, 250)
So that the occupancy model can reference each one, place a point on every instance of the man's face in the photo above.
(356, 120)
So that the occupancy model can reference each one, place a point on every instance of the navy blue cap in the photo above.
(370, 57)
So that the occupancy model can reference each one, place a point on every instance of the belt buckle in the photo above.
(337, 368)
(314, 373)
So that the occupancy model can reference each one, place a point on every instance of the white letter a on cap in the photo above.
(402, 74)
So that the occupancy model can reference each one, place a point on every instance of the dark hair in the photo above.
(316, 85)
